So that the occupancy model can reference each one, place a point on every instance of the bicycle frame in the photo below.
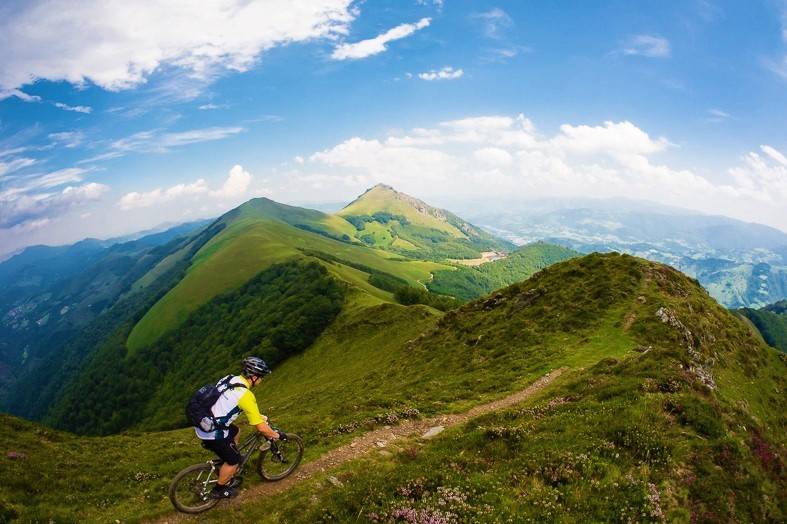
(247, 448)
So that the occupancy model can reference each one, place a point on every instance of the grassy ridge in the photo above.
(687, 428)
(371, 364)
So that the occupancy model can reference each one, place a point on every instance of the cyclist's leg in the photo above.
(227, 451)
(230, 456)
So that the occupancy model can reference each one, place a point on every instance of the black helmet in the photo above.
(255, 366)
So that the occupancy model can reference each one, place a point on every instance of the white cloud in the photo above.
(501, 156)
(159, 196)
(38, 181)
(493, 156)
(611, 138)
(774, 154)
(8, 93)
(156, 141)
(76, 109)
(717, 115)
(15, 164)
(763, 180)
(376, 45)
(117, 44)
(446, 73)
(494, 22)
(68, 139)
(647, 45)
(236, 184)
(211, 107)
(194, 136)
(31, 210)
(235, 187)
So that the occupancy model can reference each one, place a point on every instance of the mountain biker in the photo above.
(224, 442)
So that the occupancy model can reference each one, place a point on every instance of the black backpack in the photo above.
(198, 410)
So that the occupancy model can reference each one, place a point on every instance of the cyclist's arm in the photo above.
(248, 403)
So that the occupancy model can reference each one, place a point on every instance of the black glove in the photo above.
(282, 435)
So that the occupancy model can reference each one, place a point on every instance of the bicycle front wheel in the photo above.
(190, 489)
(281, 458)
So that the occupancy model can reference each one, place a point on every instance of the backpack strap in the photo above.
(221, 422)
(230, 385)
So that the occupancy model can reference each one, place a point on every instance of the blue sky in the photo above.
(118, 117)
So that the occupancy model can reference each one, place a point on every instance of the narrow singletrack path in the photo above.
(376, 439)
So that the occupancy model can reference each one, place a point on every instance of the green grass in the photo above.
(387, 219)
(634, 437)
(384, 199)
(627, 418)
(246, 247)
(771, 321)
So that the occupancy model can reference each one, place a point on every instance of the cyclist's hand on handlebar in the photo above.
(282, 435)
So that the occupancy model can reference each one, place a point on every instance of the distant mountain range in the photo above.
(741, 264)
(49, 293)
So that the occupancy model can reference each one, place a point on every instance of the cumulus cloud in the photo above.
(159, 196)
(446, 73)
(235, 186)
(117, 44)
(503, 156)
(612, 138)
(376, 45)
(762, 178)
(647, 45)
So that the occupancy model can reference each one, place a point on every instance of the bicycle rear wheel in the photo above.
(281, 458)
(190, 489)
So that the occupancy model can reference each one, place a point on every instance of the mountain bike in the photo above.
(190, 489)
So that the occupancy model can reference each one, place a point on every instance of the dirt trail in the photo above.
(379, 439)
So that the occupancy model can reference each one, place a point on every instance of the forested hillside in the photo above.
(771, 321)
(468, 283)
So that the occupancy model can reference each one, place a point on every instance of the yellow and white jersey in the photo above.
(229, 405)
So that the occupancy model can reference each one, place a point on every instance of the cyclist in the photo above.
(233, 400)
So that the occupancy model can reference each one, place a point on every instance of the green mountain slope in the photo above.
(394, 221)
(468, 283)
(771, 322)
(64, 356)
(190, 274)
(665, 388)
(683, 425)
(47, 294)
(258, 234)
